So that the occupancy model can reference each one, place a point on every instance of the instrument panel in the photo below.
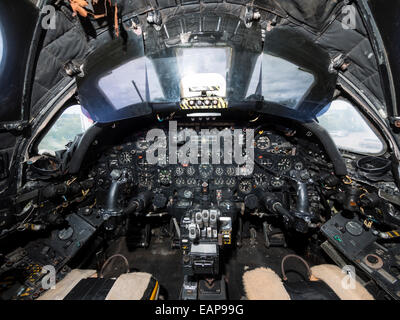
(274, 157)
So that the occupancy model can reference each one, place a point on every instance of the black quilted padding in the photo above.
(67, 42)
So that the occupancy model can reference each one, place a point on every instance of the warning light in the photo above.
(337, 238)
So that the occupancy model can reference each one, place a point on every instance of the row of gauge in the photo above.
(245, 183)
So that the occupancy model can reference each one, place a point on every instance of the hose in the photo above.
(108, 261)
(294, 256)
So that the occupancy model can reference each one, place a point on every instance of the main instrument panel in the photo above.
(275, 155)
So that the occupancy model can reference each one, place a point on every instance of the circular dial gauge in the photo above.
(354, 228)
(263, 142)
(276, 182)
(179, 171)
(205, 171)
(142, 144)
(191, 182)
(219, 181)
(125, 158)
(284, 165)
(164, 177)
(190, 171)
(180, 182)
(188, 194)
(230, 182)
(231, 171)
(245, 186)
(299, 166)
(261, 180)
(219, 171)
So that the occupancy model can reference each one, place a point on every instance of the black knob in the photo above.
(159, 201)
(251, 201)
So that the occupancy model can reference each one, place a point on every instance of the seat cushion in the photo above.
(265, 284)
(133, 286)
(84, 285)
(333, 276)
(67, 284)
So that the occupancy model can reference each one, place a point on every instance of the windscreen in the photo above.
(234, 63)
(129, 84)
(282, 82)
(115, 83)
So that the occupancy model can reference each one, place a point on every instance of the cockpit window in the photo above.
(72, 122)
(349, 129)
(137, 81)
(192, 61)
(126, 85)
(282, 82)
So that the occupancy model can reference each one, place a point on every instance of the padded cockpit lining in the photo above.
(71, 41)
(67, 42)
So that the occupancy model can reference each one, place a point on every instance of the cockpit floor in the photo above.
(164, 264)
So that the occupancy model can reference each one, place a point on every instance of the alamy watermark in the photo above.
(189, 147)
(49, 279)
(349, 21)
(349, 280)
(49, 19)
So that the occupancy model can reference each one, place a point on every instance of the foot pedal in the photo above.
(274, 237)
(215, 290)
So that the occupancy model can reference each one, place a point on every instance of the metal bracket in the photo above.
(395, 122)
(252, 14)
(15, 126)
(72, 68)
(154, 18)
